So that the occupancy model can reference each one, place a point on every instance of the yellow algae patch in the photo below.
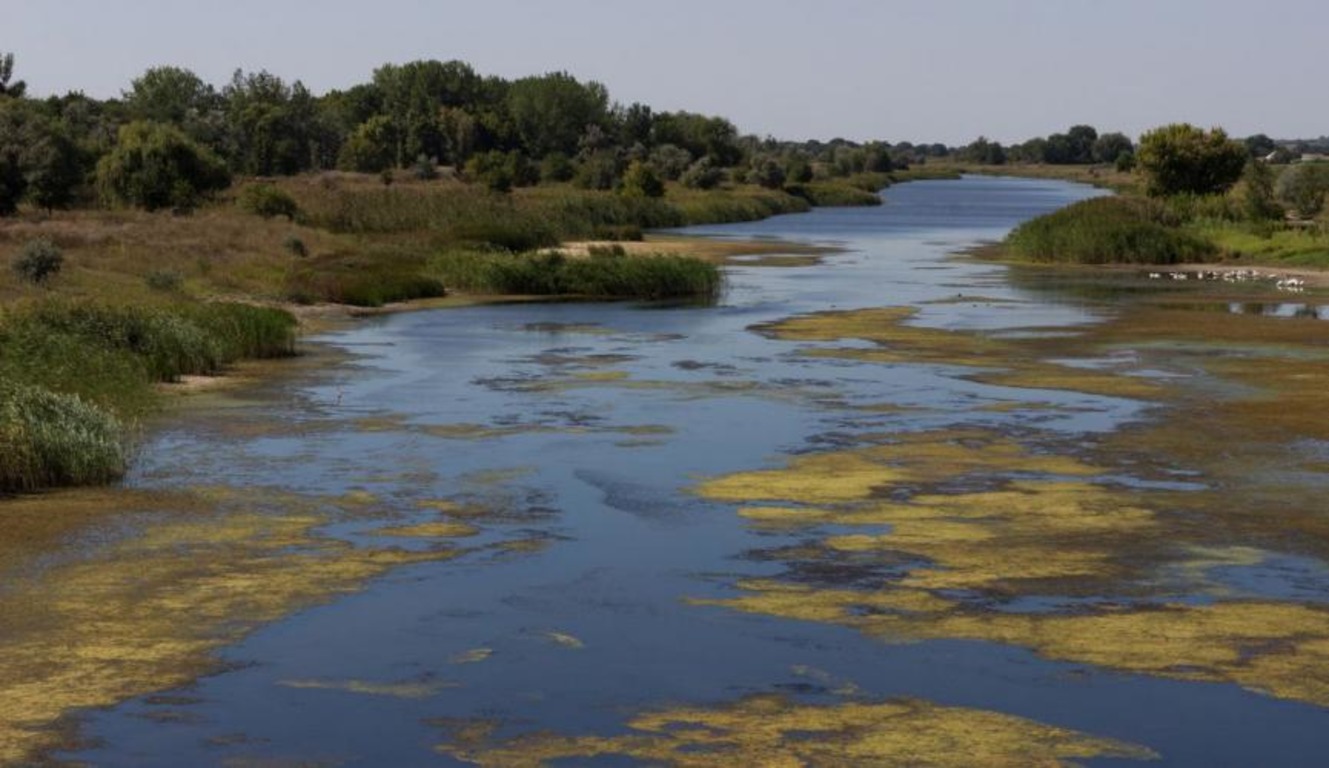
(144, 613)
(1281, 649)
(473, 656)
(787, 515)
(563, 639)
(776, 732)
(435, 530)
(897, 342)
(814, 479)
(405, 690)
(858, 474)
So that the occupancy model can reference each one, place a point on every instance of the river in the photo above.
(572, 479)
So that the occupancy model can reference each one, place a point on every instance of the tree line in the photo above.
(171, 139)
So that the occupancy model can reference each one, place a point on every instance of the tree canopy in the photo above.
(1182, 159)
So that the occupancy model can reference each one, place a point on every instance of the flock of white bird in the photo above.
(1282, 283)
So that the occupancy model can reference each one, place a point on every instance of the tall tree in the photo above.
(1182, 159)
(9, 86)
(550, 113)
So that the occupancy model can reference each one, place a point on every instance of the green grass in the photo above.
(370, 277)
(1271, 243)
(73, 375)
(607, 274)
(834, 194)
(1108, 230)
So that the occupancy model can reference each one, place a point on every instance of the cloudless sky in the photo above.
(917, 70)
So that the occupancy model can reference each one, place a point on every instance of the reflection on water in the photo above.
(754, 529)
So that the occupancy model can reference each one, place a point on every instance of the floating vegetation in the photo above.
(104, 625)
(402, 690)
(775, 731)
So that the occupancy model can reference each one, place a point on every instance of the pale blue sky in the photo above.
(937, 70)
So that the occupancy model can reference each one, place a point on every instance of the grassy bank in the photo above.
(76, 375)
(607, 273)
(1108, 230)
(142, 298)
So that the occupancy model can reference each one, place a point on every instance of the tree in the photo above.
(1260, 145)
(768, 173)
(157, 166)
(1304, 188)
(371, 148)
(1111, 146)
(169, 95)
(1259, 192)
(1182, 159)
(551, 112)
(641, 180)
(38, 160)
(981, 150)
(9, 86)
(272, 124)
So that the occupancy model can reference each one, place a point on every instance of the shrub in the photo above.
(1304, 187)
(608, 274)
(295, 246)
(1107, 230)
(703, 174)
(39, 260)
(50, 439)
(267, 200)
(557, 167)
(425, 168)
(164, 280)
(641, 180)
(1180, 158)
(155, 166)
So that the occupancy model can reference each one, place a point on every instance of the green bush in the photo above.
(155, 166)
(164, 280)
(641, 180)
(1107, 230)
(607, 274)
(49, 439)
(268, 201)
(39, 260)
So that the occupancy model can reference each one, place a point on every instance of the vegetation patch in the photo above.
(777, 731)
(1107, 230)
(606, 274)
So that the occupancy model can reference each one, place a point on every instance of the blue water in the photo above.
(628, 542)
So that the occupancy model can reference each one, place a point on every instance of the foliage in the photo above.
(600, 170)
(49, 439)
(1181, 158)
(1258, 193)
(551, 112)
(268, 201)
(556, 167)
(641, 179)
(273, 126)
(164, 280)
(703, 174)
(984, 151)
(8, 85)
(39, 260)
(607, 274)
(1107, 230)
(1110, 147)
(425, 168)
(1303, 188)
(295, 246)
(501, 171)
(38, 161)
(377, 277)
(371, 148)
(156, 166)
(766, 172)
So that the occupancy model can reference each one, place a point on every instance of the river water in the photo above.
(574, 436)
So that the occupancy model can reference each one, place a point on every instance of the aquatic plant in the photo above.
(49, 439)
(1107, 230)
(606, 274)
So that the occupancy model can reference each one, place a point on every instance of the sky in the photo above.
(894, 70)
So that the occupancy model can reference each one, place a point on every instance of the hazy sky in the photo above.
(935, 70)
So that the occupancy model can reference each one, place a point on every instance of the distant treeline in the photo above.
(1084, 145)
(172, 138)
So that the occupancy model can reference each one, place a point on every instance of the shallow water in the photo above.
(582, 431)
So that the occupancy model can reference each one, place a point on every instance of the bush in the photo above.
(1183, 159)
(1107, 230)
(39, 260)
(641, 180)
(1304, 187)
(267, 200)
(703, 174)
(164, 280)
(607, 274)
(425, 168)
(295, 246)
(155, 166)
(557, 167)
(49, 439)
